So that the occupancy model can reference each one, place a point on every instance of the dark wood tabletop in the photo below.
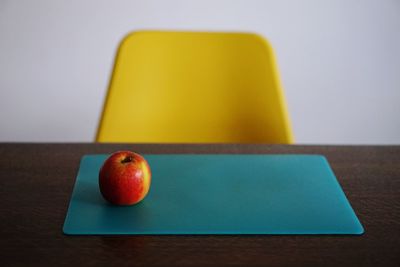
(36, 181)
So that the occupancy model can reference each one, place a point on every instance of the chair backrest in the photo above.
(195, 87)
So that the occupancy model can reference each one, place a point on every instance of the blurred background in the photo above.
(339, 62)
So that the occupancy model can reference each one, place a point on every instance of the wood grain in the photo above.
(36, 181)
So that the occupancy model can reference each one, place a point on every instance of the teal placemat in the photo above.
(218, 194)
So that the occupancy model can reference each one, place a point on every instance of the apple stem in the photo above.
(127, 159)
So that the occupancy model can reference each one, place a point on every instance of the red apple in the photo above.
(124, 178)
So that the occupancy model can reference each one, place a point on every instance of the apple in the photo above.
(124, 178)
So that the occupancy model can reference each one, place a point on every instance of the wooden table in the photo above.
(36, 181)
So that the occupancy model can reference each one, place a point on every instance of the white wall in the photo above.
(339, 62)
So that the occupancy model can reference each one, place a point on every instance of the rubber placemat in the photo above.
(218, 194)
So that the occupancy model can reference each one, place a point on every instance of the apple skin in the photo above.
(124, 178)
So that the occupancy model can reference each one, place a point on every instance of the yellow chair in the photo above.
(195, 87)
